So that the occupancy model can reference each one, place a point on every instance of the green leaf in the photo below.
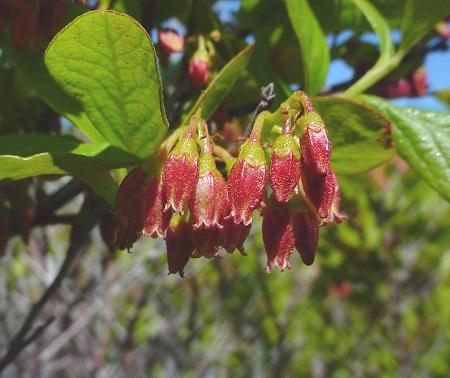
(358, 134)
(313, 45)
(380, 26)
(444, 96)
(386, 61)
(31, 67)
(419, 17)
(422, 138)
(221, 85)
(36, 154)
(106, 60)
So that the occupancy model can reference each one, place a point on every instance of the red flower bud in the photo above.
(170, 41)
(131, 204)
(420, 82)
(278, 236)
(180, 174)
(25, 25)
(180, 245)
(306, 232)
(156, 220)
(199, 71)
(207, 241)
(234, 235)
(210, 202)
(246, 182)
(284, 167)
(315, 145)
(400, 88)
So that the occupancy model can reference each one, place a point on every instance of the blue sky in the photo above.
(437, 64)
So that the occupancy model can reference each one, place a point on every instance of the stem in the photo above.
(224, 155)
(372, 76)
(90, 213)
(259, 123)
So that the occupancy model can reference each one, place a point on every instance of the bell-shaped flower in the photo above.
(130, 208)
(306, 233)
(315, 145)
(278, 235)
(156, 219)
(210, 202)
(284, 167)
(207, 241)
(179, 244)
(234, 235)
(180, 173)
(246, 182)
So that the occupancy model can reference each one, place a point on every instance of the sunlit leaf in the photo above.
(313, 45)
(422, 138)
(107, 62)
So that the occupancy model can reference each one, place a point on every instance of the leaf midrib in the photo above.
(120, 103)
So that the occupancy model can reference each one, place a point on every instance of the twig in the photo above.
(267, 96)
(89, 214)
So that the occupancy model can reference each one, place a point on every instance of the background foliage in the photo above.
(101, 98)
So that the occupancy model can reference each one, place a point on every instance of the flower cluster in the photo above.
(33, 22)
(184, 198)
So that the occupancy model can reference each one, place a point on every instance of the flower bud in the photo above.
(207, 241)
(233, 235)
(278, 236)
(420, 82)
(156, 219)
(284, 167)
(306, 233)
(180, 174)
(315, 145)
(170, 41)
(180, 245)
(246, 182)
(130, 208)
(210, 202)
(199, 70)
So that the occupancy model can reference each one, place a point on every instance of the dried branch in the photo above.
(89, 215)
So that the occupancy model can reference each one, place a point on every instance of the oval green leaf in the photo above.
(36, 154)
(313, 45)
(422, 138)
(107, 62)
(359, 135)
